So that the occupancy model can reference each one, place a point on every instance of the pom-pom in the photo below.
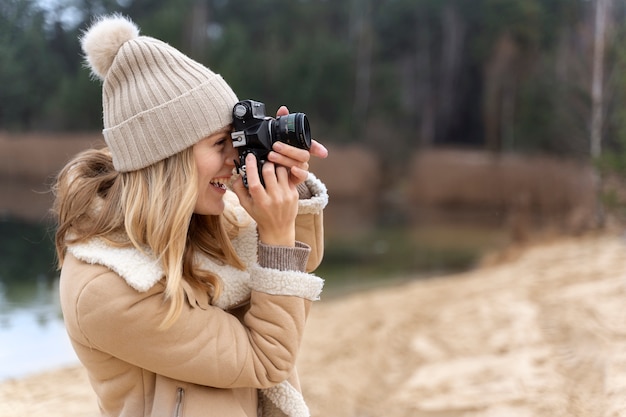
(103, 39)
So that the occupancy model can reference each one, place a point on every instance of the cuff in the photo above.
(284, 258)
(319, 196)
(304, 192)
(290, 283)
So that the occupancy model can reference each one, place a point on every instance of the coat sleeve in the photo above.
(205, 346)
(310, 220)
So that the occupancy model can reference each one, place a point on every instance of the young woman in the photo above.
(181, 297)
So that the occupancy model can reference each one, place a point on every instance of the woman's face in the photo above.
(214, 156)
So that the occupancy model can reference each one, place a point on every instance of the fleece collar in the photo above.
(142, 271)
(139, 269)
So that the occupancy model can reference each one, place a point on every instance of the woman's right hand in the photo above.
(273, 207)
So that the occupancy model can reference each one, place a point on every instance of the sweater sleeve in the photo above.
(284, 258)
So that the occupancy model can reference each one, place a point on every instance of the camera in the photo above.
(255, 133)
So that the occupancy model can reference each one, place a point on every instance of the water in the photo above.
(32, 334)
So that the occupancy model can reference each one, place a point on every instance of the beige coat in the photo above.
(216, 359)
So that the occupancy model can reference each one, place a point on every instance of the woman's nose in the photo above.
(231, 155)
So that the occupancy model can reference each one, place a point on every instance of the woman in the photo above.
(182, 298)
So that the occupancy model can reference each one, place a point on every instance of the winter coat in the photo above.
(233, 358)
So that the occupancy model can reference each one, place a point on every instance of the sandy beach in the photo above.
(531, 333)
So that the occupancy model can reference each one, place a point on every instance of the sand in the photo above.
(542, 333)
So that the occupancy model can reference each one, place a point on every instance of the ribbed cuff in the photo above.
(304, 193)
(284, 258)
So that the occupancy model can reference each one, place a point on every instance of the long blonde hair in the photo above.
(150, 209)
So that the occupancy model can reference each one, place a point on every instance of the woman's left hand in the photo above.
(296, 160)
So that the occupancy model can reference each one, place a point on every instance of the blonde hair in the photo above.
(150, 209)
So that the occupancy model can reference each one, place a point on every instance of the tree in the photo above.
(27, 69)
(394, 75)
(597, 102)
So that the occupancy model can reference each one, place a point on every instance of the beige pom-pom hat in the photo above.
(156, 101)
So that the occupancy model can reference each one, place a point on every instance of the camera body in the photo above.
(254, 132)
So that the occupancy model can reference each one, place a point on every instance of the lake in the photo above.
(32, 334)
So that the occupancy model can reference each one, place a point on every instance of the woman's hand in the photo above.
(273, 207)
(296, 160)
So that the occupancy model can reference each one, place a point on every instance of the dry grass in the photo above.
(512, 191)
(28, 164)
(40, 156)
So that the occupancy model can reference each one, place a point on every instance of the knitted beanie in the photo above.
(156, 101)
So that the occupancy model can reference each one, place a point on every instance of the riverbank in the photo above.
(533, 332)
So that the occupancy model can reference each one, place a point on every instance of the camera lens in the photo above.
(294, 130)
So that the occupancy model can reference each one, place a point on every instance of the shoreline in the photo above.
(60, 392)
(540, 333)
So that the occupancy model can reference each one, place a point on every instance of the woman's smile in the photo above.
(213, 157)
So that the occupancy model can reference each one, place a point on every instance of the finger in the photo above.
(299, 175)
(290, 152)
(252, 172)
(282, 111)
(317, 149)
(289, 163)
(287, 182)
(269, 175)
(282, 175)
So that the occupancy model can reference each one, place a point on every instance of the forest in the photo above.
(532, 76)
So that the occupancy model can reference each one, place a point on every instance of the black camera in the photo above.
(255, 133)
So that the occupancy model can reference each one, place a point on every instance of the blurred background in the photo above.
(456, 128)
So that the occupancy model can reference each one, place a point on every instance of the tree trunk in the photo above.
(363, 29)
(425, 102)
(597, 78)
(197, 29)
(451, 56)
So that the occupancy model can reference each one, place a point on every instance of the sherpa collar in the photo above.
(142, 271)
(139, 269)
